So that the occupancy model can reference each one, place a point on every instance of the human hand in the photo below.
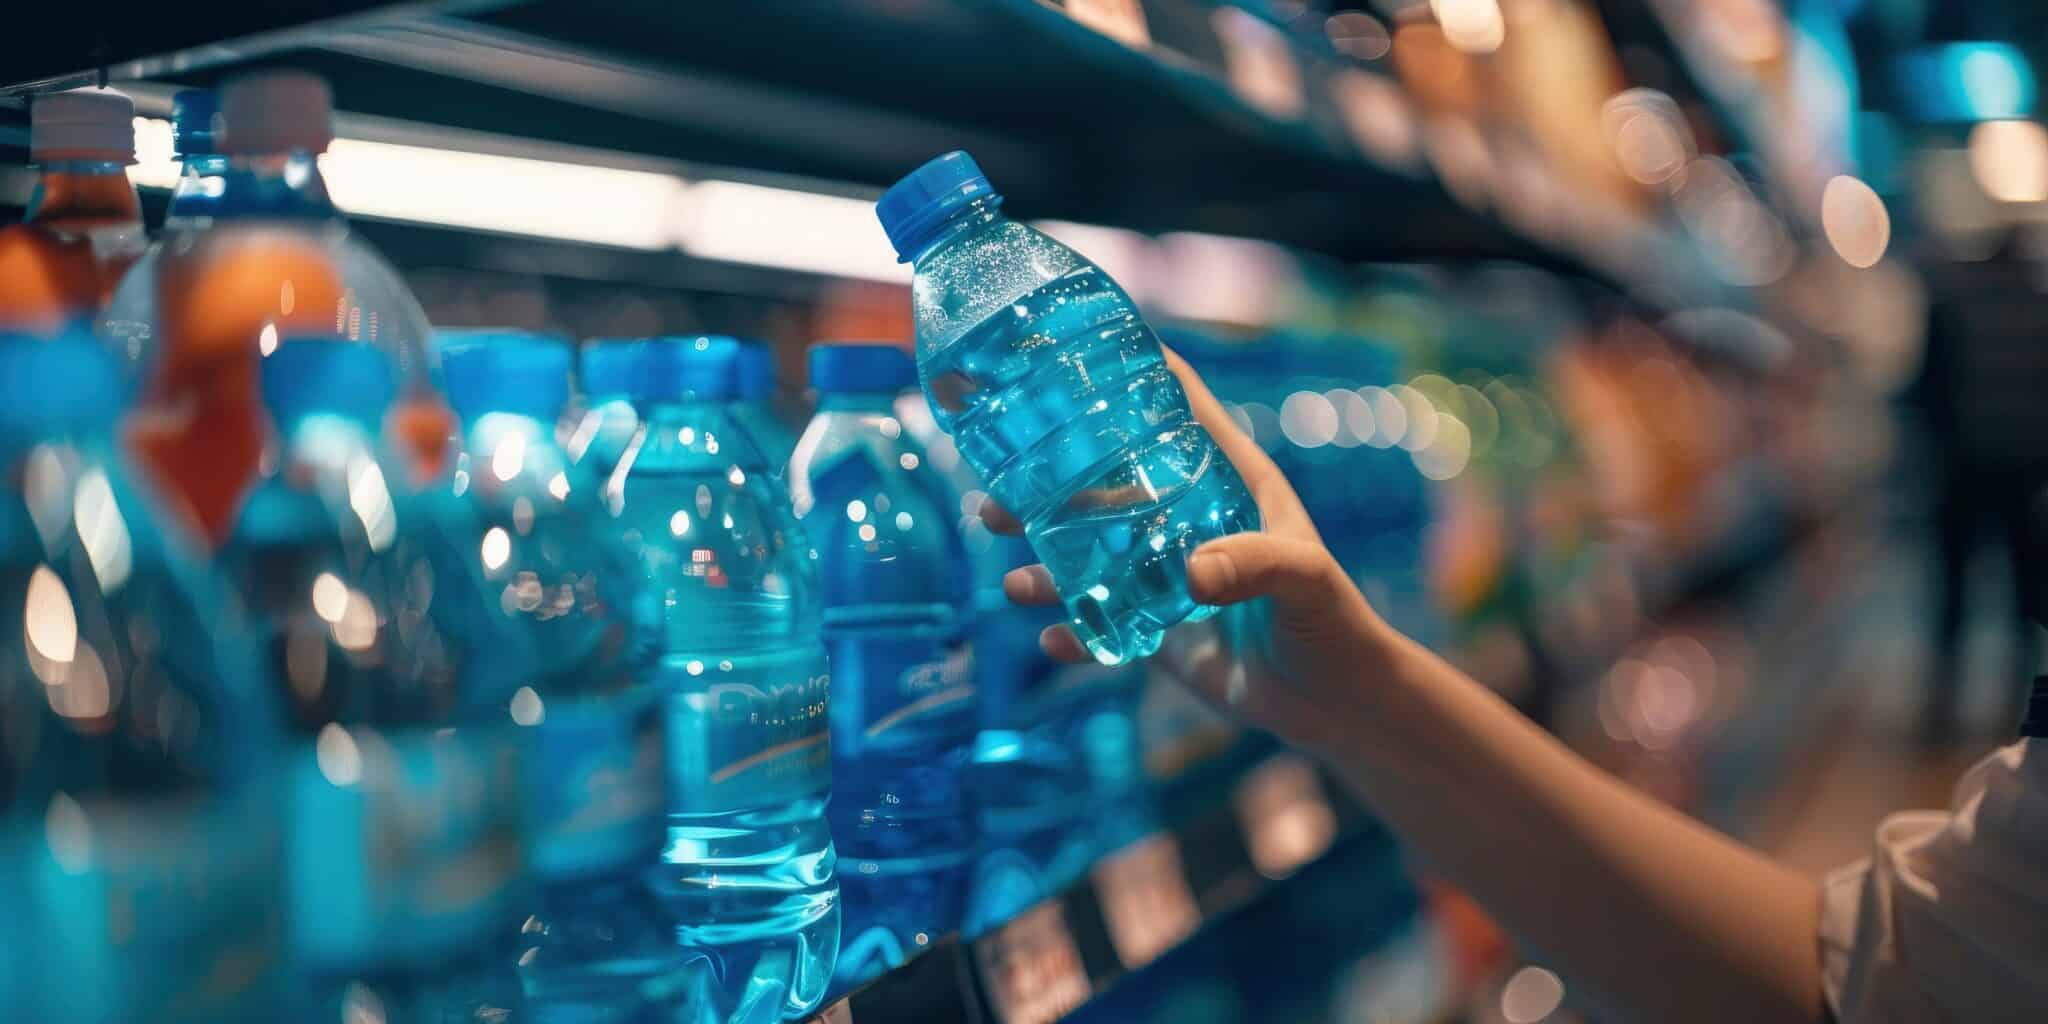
(1299, 630)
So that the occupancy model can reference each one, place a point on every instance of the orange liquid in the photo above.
(422, 426)
(52, 270)
(201, 428)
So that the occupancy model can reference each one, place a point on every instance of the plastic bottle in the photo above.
(755, 408)
(593, 946)
(278, 260)
(402, 803)
(608, 422)
(84, 221)
(138, 848)
(748, 872)
(895, 583)
(202, 179)
(1058, 396)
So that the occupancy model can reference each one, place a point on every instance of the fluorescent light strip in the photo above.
(779, 227)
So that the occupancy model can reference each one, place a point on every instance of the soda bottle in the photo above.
(1056, 393)
(138, 842)
(84, 221)
(401, 810)
(748, 872)
(895, 593)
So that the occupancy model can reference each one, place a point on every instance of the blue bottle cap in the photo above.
(194, 115)
(912, 210)
(323, 373)
(756, 370)
(47, 383)
(856, 366)
(503, 370)
(606, 367)
(702, 367)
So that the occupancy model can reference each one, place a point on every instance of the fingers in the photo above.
(1031, 585)
(999, 520)
(1249, 565)
(1275, 496)
(1060, 644)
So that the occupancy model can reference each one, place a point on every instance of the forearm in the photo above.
(1662, 918)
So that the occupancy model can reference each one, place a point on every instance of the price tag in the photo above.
(1259, 62)
(1031, 967)
(1145, 899)
(1287, 820)
(1121, 20)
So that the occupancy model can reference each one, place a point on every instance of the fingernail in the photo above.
(1211, 574)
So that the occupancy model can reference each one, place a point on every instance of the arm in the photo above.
(1661, 918)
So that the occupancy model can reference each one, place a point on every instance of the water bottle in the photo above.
(278, 260)
(138, 843)
(895, 583)
(748, 870)
(608, 422)
(84, 222)
(401, 810)
(202, 179)
(593, 945)
(1057, 394)
(755, 408)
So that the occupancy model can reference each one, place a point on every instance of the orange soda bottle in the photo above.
(84, 223)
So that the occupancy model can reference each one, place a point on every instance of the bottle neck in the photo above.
(960, 223)
(857, 401)
(275, 185)
(79, 193)
(199, 189)
(328, 441)
(689, 429)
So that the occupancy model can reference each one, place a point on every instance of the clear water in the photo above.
(401, 801)
(138, 849)
(747, 873)
(575, 637)
(1055, 391)
(896, 590)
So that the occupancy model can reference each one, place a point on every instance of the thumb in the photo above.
(1244, 566)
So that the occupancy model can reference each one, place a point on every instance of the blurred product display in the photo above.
(625, 647)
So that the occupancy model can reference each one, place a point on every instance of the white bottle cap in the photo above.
(82, 124)
(276, 112)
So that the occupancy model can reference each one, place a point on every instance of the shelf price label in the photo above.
(1145, 899)
(1286, 817)
(1032, 968)
(1121, 20)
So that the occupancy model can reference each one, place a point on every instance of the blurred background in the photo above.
(1670, 365)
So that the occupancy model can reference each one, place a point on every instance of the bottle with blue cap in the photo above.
(1057, 393)
(582, 694)
(748, 873)
(895, 586)
(607, 423)
(402, 794)
(202, 177)
(139, 849)
(755, 408)
(83, 225)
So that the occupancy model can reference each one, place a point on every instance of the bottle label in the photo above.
(594, 783)
(124, 910)
(909, 687)
(749, 732)
(403, 844)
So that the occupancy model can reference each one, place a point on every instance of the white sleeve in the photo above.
(1948, 918)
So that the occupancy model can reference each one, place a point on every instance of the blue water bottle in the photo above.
(747, 876)
(896, 582)
(755, 404)
(138, 837)
(593, 945)
(608, 424)
(402, 802)
(1057, 394)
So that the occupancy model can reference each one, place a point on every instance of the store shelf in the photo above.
(1168, 131)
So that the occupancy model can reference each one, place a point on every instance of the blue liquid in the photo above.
(138, 843)
(747, 871)
(1056, 393)
(904, 704)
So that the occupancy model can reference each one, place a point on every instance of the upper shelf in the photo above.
(1155, 133)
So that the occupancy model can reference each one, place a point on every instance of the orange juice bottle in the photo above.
(277, 260)
(84, 224)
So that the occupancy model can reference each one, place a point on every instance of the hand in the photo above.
(1277, 662)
